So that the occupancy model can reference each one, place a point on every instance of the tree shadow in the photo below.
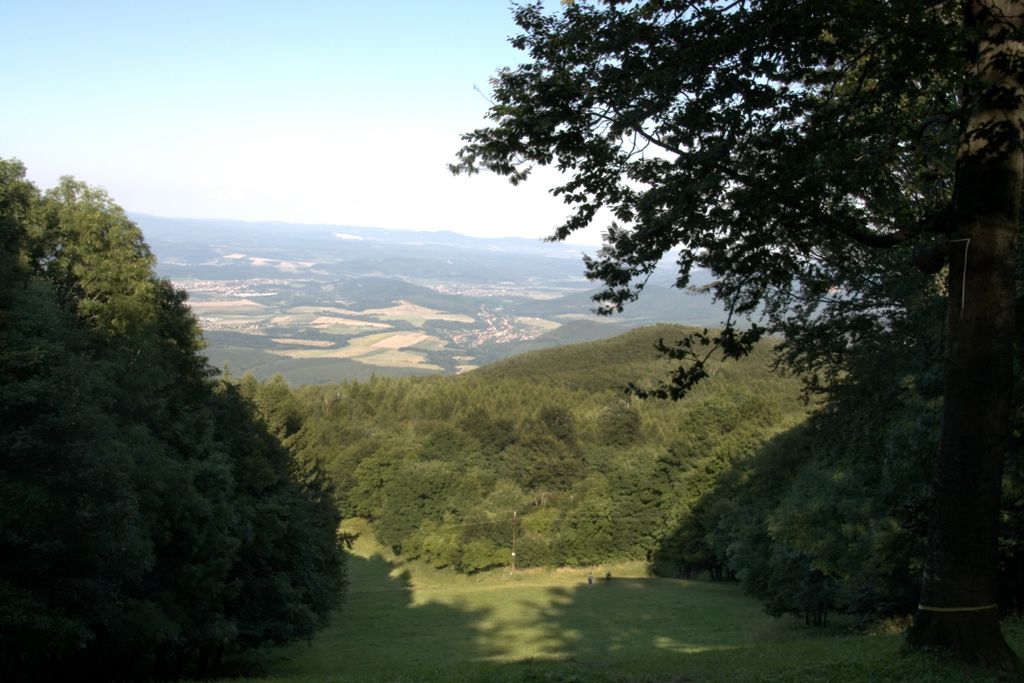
(619, 620)
(397, 626)
(383, 631)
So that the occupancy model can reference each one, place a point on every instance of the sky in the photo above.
(329, 111)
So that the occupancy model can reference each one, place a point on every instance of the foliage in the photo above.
(834, 165)
(544, 447)
(152, 517)
(814, 516)
(772, 143)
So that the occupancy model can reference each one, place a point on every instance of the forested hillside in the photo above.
(150, 519)
(545, 447)
(813, 507)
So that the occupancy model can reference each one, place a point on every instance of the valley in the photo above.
(320, 303)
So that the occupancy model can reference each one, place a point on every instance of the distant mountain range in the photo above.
(323, 303)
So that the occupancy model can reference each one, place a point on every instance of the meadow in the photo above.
(405, 622)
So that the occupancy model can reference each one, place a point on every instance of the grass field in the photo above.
(385, 349)
(415, 315)
(409, 623)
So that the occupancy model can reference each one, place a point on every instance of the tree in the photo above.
(71, 537)
(150, 520)
(833, 165)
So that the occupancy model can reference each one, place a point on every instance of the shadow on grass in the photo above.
(557, 628)
(381, 632)
(617, 622)
(388, 630)
(639, 630)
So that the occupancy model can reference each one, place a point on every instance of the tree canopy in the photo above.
(545, 443)
(152, 518)
(842, 169)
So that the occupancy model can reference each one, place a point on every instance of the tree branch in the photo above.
(939, 222)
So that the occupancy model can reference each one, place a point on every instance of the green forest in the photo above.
(545, 447)
(151, 518)
(848, 444)
(813, 507)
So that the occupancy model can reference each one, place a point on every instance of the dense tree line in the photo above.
(832, 515)
(547, 443)
(152, 518)
(812, 494)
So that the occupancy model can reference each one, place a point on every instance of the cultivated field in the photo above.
(415, 315)
(407, 623)
(385, 349)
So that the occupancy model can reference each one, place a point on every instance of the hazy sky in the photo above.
(330, 111)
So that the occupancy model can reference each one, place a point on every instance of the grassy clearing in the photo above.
(408, 623)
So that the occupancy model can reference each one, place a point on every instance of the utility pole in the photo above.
(513, 540)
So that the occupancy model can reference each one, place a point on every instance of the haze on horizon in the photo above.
(312, 112)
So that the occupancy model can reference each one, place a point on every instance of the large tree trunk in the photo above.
(958, 609)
